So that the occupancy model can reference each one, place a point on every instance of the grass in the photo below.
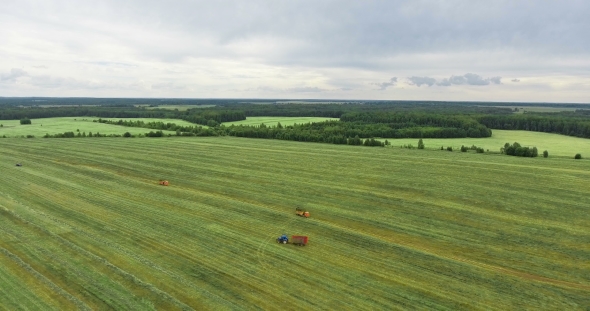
(180, 107)
(40, 127)
(555, 144)
(389, 228)
(272, 121)
(146, 120)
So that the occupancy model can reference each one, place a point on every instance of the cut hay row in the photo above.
(390, 228)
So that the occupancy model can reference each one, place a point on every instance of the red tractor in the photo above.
(301, 212)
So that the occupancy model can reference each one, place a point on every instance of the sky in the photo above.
(518, 50)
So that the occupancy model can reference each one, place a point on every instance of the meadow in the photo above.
(180, 107)
(555, 144)
(40, 127)
(85, 225)
(272, 121)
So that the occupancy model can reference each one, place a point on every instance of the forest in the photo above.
(363, 119)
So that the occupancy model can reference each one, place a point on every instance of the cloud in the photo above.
(444, 82)
(473, 79)
(422, 81)
(515, 80)
(13, 75)
(305, 89)
(469, 79)
(384, 85)
(496, 80)
(213, 46)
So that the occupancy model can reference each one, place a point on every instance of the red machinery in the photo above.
(300, 240)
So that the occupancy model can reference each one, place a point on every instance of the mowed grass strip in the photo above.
(51, 126)
(390, 228)
(273, 121)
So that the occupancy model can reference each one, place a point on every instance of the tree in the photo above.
(449, 148)
(545, 154)
(420, 144)
(127, 134)
(578, 156)
(25, 121)
(463, 148)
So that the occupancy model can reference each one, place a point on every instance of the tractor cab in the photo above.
(283, 239)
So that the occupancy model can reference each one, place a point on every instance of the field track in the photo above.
(84, 225)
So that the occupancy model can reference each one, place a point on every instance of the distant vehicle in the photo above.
(301, 212)
(164, 182)
(18, 164)
(283, 239)
(300, 240)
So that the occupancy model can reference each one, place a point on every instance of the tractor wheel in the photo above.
(284, 242)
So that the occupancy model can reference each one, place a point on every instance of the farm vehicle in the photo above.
(301, 212)
(300, 240)
(163, 182)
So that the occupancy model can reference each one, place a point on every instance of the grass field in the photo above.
(84, 224)
(40, 127)
(555, 144)
(146, 120)
(272, 121)
(180, 107)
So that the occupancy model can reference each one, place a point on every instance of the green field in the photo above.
(180, 107)
(84, 224)
(555, 144)
(147, 120)
(40, 127)
(272, 121)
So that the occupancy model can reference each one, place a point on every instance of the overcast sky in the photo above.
(402, 50)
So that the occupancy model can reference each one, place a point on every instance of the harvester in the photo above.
(163, 182)
(301, 212)
(300, 240)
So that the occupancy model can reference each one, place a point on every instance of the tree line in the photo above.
(565, 124)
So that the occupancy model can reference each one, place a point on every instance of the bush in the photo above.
(420, 144)
(449, 148)
(545, 154)
(30, 136)
(517, 150)
(479, 150)
(463, 148)
(25, 121)
(578, 156)
(127, 134)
